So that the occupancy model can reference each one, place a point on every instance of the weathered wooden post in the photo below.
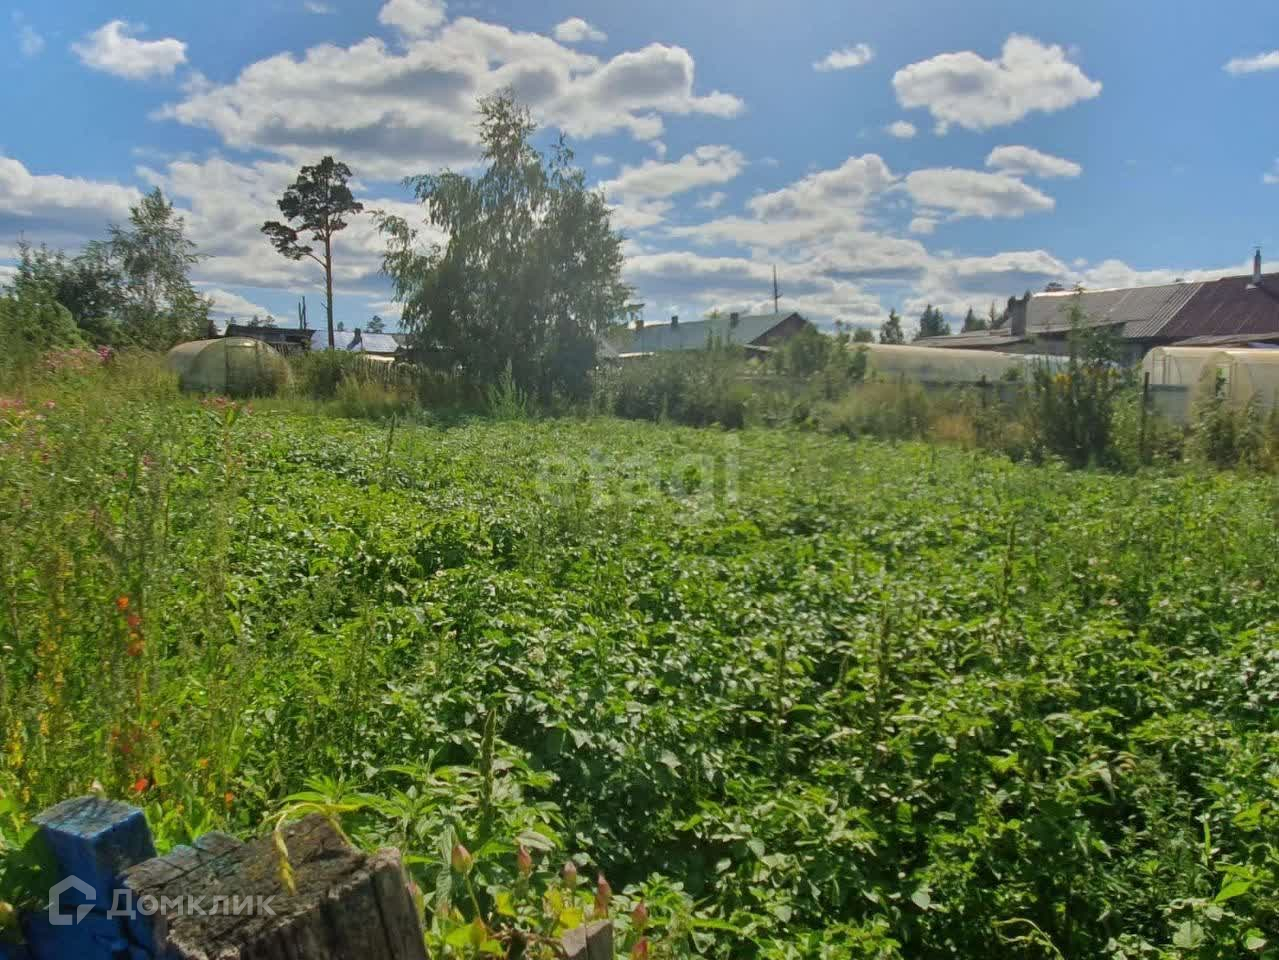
(219, 899)
(1145, 405)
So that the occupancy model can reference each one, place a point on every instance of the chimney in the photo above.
(1256, 268)
(674, 321)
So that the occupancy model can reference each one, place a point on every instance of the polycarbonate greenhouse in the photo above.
(940, 365)
(1242, 377)
(1177, 366)
(235, 366)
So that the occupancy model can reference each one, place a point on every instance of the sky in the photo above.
(879, 156)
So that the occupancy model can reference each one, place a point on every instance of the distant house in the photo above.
(375, 344)
(1239, 310)
(283, 339)
(342, 339)
(757, 333)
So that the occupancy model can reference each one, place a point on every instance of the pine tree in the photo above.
(973, 322)
(891, 331)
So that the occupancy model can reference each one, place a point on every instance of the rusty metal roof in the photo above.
(1142, 311)
(1229, 306)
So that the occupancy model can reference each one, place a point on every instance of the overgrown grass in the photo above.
(807, 695)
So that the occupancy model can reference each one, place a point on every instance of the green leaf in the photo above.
(1188, 936)
(921, 898)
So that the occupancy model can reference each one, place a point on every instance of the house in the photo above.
(342, 339)
(1231, 311)
(375, 344)
(757, 333)
(283, 339)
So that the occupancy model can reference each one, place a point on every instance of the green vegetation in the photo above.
(802, 695)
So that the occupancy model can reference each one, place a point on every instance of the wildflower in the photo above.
(462, 860)
(49, 404)
(141, 785)
(228, 798)
(603, 896)
(134, 621)
(203, 763)
(136, 646)
(122, 603)
(639, 916)
(524, 861)
(640, 950)
(570, 875)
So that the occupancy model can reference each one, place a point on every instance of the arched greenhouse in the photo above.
(235, 366)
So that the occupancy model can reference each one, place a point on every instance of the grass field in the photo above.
(805, 696)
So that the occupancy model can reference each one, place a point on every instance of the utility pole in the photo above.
(777, 294)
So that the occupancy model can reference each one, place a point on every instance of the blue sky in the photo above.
(880, 155)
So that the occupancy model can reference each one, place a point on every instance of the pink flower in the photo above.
(524, 861)
(461, 859)
(570, 875)
(603, 896)
(639, 916)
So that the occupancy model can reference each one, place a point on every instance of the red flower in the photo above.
(228, 798)
(141, 785)
(640, 950)
(639, 916)
(134, 621)
(122, 603)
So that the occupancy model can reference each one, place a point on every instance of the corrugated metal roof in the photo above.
(375, 343)
(1229, 306)
(341, 339)
(696, 334)
(1142, 311)
(973, 340)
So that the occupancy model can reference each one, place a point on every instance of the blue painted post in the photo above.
(93, 841)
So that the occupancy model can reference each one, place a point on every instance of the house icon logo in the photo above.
(57, 917)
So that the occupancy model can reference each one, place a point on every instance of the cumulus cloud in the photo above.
(978, 94)
(1261, 62)
(712, 201)
(390, 113)
(901, 129)
(923, 225)
(577, 30)
(972, 193)
(412, 18)
(1027, 161)
(602, 160)
(858, 55)
(227, 304)
(850, 186)
(58, 209)
(705, 166)
(112, 49)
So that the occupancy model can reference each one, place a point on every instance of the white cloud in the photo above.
(1262, 61)
(318, 8)
(923, 225)
(850, 186)
(57, 209)
(112, 50)
(712, 201)
(228, 304)
(577, 30)
(413, 18)
(704, 167)
(602, 160)
(972, 193)
(1027, 161)
(390, 113)
(978, 94)
(901, 129)
(1271, 176)
(847, 58)
(30, 42)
